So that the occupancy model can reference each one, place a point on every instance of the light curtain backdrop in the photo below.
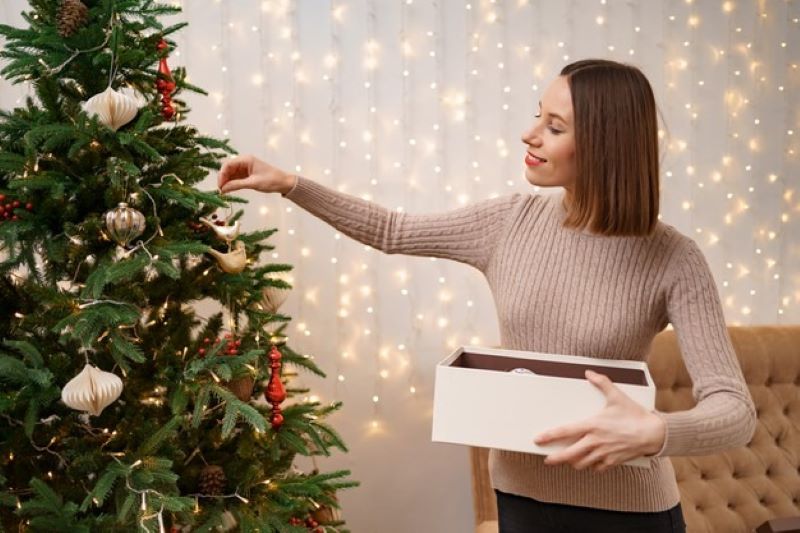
(419, 105)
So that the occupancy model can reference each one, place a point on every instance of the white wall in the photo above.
(726, 79)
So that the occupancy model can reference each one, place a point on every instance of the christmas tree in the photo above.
(122, 408)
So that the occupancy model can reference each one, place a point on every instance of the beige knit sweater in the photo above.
(560, 290)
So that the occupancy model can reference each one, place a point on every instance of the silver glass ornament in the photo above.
(124, 223)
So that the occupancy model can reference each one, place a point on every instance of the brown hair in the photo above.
(616, 149)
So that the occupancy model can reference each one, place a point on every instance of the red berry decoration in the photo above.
(229, 346)
(7, 208)
(196, 226)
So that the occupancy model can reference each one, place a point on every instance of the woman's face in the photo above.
(550, 161)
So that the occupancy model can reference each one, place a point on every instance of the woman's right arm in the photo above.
(467, 235)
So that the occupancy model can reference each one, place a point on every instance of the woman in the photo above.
(591, 272)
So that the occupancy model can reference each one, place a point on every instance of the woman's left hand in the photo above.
(621, 431)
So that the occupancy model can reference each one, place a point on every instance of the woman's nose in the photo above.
(531, 137)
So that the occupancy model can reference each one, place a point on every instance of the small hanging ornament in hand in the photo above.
(124, 224)
(165, 82)
(92, 390)
(275, 392)
(112, 108)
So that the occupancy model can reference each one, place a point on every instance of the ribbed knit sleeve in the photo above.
(468, 235)
(724, 414)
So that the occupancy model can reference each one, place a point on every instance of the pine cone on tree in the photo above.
(212, 480)
(72, 14)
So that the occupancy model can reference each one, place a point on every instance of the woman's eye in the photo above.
(553, 130)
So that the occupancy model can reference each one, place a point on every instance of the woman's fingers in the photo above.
(235, 184)
(602, 382)
(605, 464)
(569, 431)
(573, 453)
(233, 169)
(593, 457)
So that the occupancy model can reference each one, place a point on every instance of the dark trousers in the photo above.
(518, 514)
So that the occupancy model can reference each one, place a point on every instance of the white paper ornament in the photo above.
(112, 108)
(273, 297)
(92, 390)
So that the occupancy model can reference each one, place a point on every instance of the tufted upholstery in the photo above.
(732, 491)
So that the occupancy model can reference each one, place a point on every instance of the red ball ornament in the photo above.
(29, 206)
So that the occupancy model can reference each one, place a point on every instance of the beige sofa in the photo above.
(737, 490)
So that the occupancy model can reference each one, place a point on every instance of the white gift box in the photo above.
(503, 399)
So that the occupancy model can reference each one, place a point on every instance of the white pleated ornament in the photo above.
(113, 108)
(92, 390)
(273, 297)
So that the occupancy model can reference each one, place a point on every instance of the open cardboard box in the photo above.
(479, 401)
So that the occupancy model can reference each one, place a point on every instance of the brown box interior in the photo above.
(630, 376)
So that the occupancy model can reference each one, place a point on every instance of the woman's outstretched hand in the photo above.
(622, 431)
(248, 172)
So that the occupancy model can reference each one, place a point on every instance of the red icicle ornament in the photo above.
(275, 392)
(165, 83)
